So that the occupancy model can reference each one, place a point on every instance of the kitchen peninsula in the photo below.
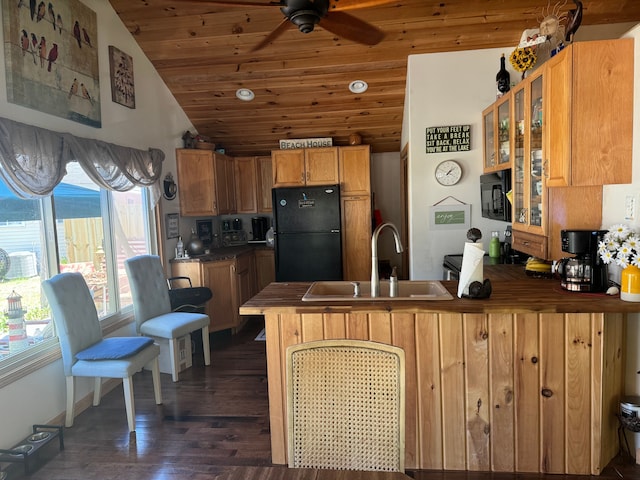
(528, 380)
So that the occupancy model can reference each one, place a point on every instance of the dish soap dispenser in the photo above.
(494, 245)
(393, 283)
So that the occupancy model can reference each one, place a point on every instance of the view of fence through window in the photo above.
(95, 231)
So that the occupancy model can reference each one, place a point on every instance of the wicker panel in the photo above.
(346, 405)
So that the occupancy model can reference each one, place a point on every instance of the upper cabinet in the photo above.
(205, 182)
(496, 121)
(589, 122)
(254, 181)
(264, 184)
(299, 167)
(355, 170)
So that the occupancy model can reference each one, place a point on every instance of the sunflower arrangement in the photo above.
(523, 59)
(620, 245)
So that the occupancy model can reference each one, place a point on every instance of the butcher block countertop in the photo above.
(513, 292)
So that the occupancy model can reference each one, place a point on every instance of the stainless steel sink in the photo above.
(328, 291)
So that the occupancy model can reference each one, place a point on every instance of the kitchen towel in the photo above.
(472, 262)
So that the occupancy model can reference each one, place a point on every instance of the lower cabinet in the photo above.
(265, 268)
(232, 282)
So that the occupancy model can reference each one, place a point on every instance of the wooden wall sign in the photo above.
(448, 217)
(451, 138)
(292, 143)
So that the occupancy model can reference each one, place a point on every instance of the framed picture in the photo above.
(449, 217)
(121, 71)
(173, 225)
(51, 58)
(205, 230)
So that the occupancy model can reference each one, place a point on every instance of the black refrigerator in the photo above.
(308, 244)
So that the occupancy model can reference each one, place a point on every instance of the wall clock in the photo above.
(448, 173)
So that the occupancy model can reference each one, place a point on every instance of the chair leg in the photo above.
(127, 385)
(205, 345)
(155, 373)
(173, 355)
(71, 401)
(97, 391)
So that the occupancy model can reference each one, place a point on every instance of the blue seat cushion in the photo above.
(114, 348)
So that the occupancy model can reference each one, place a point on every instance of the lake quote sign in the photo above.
(451, 138)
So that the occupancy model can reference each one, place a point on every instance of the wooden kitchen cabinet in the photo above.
(246, 184)
(355, 199)
(265, 268)
(265, 184)
(232, 282)
(540, 212)
(205, 183)
(356, 237)
(589, 122)
(253, 183)
(497, 135)
(355, 170)
(305, 166)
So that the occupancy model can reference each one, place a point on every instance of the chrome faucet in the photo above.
(375, 280)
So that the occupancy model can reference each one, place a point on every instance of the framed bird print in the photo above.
(121, 74)
(51, 58)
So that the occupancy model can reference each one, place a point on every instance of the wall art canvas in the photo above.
(51, 58)
(121, 70)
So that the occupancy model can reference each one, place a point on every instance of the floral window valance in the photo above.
(33, 161)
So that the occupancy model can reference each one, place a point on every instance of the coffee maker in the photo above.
(585, 272)
(259, 227)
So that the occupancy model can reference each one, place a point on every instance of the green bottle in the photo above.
(494, 245)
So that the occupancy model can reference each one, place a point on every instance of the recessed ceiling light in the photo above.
(358, 86)
(245, 94)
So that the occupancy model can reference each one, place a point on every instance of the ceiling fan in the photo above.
(306, 14)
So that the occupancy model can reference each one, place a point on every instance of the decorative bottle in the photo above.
(494, 245)
(503, 79)
(180, 248)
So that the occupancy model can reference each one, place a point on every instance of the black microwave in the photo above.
(493, 195)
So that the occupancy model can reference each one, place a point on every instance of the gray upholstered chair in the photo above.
(346, 405)
(152, 309)
(85, 353)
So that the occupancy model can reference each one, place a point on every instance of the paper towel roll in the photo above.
(471, 267)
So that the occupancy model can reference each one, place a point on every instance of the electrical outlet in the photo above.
(630, 208)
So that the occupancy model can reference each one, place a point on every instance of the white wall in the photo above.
(157, 121)
(447, 89)
(385, 180)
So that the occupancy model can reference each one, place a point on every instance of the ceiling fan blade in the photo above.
(342, 5)
(351, 28)
(240, 3)
(279, 30)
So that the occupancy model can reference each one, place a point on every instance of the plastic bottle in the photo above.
(494, 245)
(180, 248)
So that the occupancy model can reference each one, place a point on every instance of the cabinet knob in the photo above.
(547, 392)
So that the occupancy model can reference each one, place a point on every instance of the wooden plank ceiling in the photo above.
(203, 53)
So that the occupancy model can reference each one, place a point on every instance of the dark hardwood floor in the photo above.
(213, 418)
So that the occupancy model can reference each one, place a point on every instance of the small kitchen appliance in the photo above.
(259, 227)
(585, 272)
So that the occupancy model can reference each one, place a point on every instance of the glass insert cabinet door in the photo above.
(536, 187)
(519, 207)
(497, 135)
(489, 140)
(504, 137)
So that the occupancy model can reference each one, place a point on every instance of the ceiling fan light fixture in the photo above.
(358, 86)
(245, 94)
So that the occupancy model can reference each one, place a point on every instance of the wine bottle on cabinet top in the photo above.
(503, 79)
